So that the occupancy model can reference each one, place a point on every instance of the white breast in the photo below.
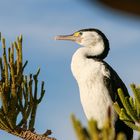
(94, 95)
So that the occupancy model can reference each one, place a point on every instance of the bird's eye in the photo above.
(80, 33)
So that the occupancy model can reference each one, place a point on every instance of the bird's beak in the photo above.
(66, 37)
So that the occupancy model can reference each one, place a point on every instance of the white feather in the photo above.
(94, 95)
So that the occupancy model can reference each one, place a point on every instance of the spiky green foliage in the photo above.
(18, 94)
(93, 133)
(130, 113)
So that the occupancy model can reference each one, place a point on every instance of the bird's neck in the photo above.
(98, 51)
(82, 56)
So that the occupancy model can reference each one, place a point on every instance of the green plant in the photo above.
(18, 94)
(93, 133)
(130, 113)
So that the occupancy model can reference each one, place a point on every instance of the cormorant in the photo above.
(97, 81)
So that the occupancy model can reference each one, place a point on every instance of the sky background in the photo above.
(39, 21)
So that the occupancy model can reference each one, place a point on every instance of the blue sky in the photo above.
(39, 21)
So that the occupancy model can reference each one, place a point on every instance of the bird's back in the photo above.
(113, 83)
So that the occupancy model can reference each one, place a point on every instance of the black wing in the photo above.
(113, 83)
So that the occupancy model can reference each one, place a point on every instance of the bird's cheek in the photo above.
(79, 40)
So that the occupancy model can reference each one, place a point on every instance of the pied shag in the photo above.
(97, 81)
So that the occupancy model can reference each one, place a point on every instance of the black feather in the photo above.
(113, 83)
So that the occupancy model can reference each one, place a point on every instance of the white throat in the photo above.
(92, 50)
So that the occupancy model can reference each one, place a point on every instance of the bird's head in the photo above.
(92, 38)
